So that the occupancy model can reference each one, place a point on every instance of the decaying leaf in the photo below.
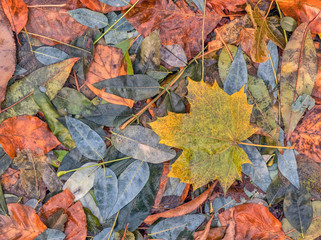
(23, 223)
(7, 54)
(26, 132)
(298, 74)
(208, 135)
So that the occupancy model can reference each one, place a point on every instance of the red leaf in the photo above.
(26, 132)
(23, 223)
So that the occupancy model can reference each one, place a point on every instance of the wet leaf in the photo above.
(251, 219)
(81, 181)
(58, 129)
(26, 132)
(208, 124)
(298, 209)
(55, 23)
(142, 144)
(88, 142)
(130, 183)
(106, 190)
(16, 12)
(136, 87)
(237, 76)
(7, 53)
(173, 55)
(172, 14)
(52, 77)
(288, 167)
(172, 227)
(50, 55)
(51, 234)
(23, 223)
(89, 18)
(107, 63)
(298, 74)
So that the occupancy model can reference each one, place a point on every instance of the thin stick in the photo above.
(203, 40)
(281, 16)
(48, 5)
(228, 50)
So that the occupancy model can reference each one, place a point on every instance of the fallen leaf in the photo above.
(217, 122)
(107, 63)
(76, 226)
(298, 74)
(303, 11)
(205, 234)
(251, 221)
(89, 18)
(16, 12)
(23, 223)
(9, 178)
(316, 92)
(7, 54)
(99, 6)
(54, 22)
(26, 132)
(167, 15)
(50, 55)
(288, 167)
(214, 233)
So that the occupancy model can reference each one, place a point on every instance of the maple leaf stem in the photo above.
(266, 146)
(116, 21)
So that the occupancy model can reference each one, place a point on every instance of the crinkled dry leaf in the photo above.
(208, 135)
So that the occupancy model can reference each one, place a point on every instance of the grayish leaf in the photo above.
(88, 201)
(142, 144)
(50, 55)
(288, 167)
(51, 234)
(199, 4)
(89, 18)
(237, 76)
(116, 3)
(104, 235)
(88, 142)
(174, 55)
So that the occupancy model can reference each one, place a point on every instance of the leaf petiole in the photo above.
(266, 146)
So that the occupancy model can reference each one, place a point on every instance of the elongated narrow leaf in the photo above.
(130, 183)
(89, 18)
(116, 3)
(50, 55)
(52, 77)
(105, 234)
(298, 74)
(142, 144)
(81, 181)
(258, 170)
(88, 142)
(110, 115)
(288, 167)
(137, 87)
(237, 76)
(259, 48)
(298, 209)
(3, 204)
(170, 228)
(106, 190)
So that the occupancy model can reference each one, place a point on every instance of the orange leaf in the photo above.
(214, 233)
(76, 226)
(251, 221)
(26, 132)
(98, 6)
(23, 223)
(183, 209)
(107, 63)
(9, 178)
(16, 12)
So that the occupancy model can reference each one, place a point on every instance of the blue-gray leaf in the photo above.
(199, 4)
(104, 235)
(170, 228)
(106, 190)
(258, 170)
(288, 167)
(50, 55)
(174, 55)
(130, 183)
(116, 3)
(237, 76)
(89, 18)
(88, 142)
(51, 234)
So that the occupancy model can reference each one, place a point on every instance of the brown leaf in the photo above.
(306, 137)
(98, 6)
(23, 223)
(251, 221)
(7, 54)
(316, 92)
(54, 22)
(220, 5)
(183, 209)
(26, 132)
(205, 233)
(16, 12)
(9, 178)
(57, 220)
(178, 24)
(76, 226)
(162, 185)
(214, 233)
(107, 63)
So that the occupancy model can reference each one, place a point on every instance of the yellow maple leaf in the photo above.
(208, 135)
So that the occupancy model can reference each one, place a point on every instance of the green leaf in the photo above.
(50, 55)
(51, 115)
(142, 144)
(298, 209)
(88, 142)
(89, 18)
(73, 101)
(93, 225)
(124, 46)
(3, 204)
(52, 77)
(276, 191)
(137, 87)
